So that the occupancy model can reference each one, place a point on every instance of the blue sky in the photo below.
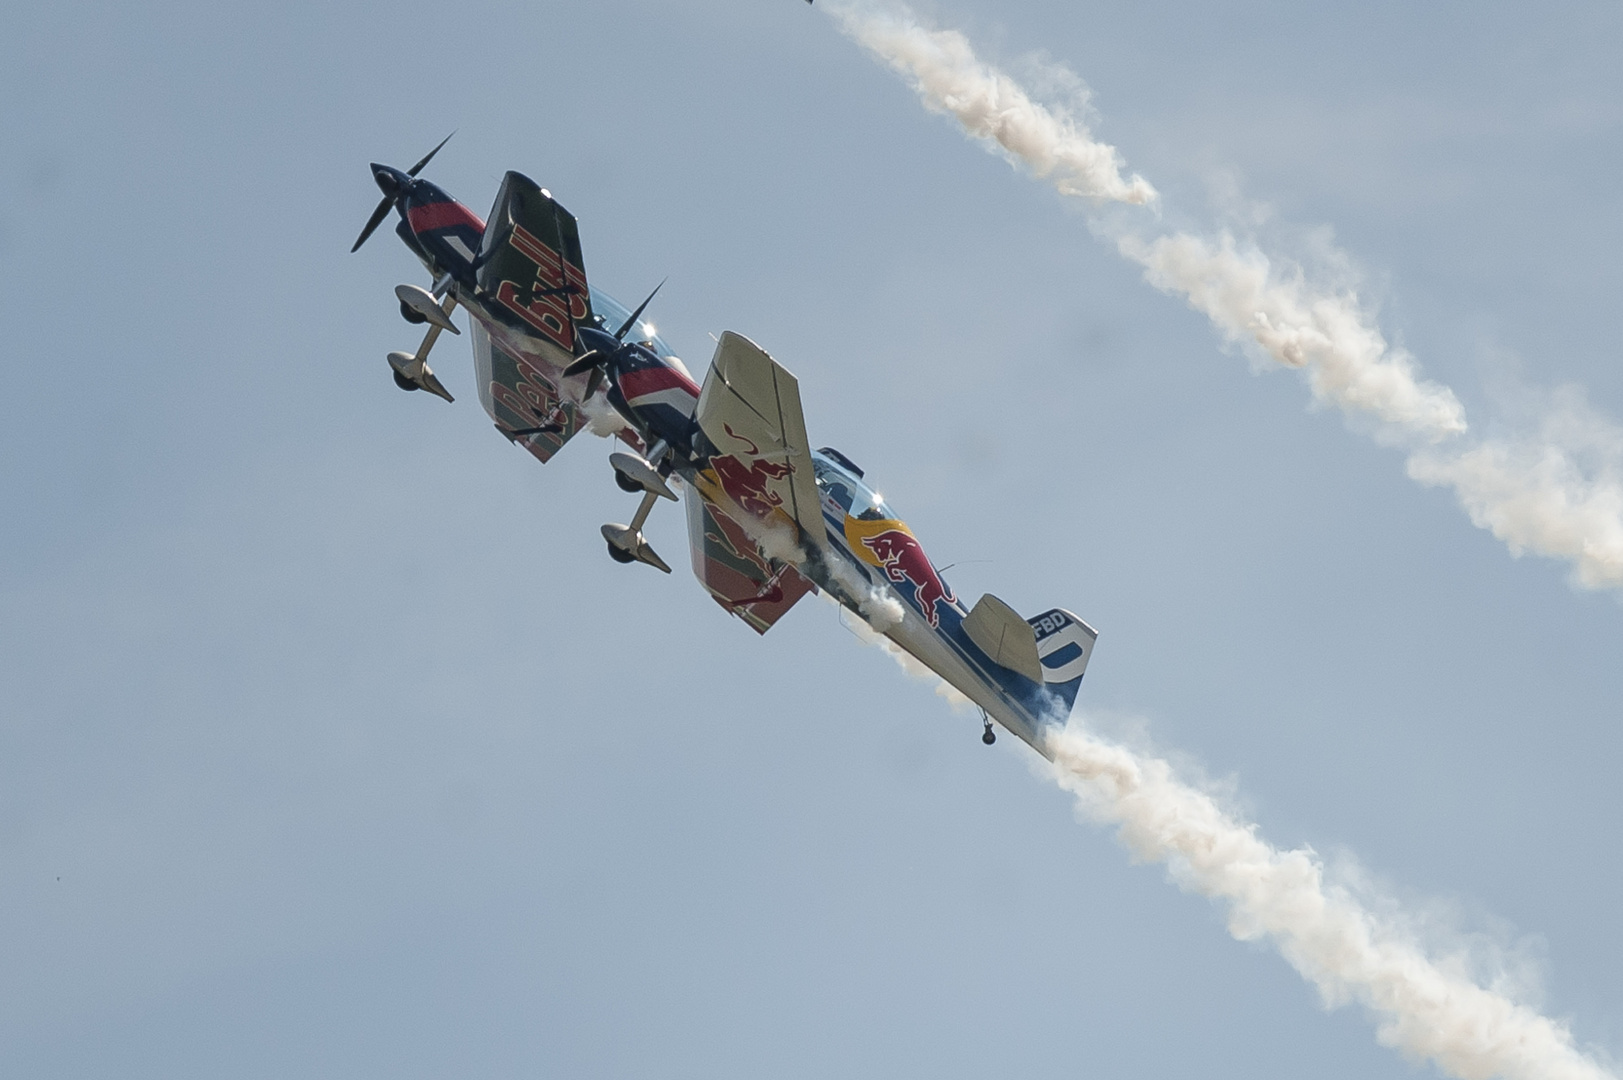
(331, 742)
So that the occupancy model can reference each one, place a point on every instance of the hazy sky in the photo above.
(332, 743)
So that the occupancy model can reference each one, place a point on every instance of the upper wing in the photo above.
(749, 416)
(529, 268)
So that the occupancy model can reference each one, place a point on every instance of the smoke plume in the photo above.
(1556, 489)
(1251, 303)
(871, 632)
(1426, 1008)
(1546, 491)
(1054, 144)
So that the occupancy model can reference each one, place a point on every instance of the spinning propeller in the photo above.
(388, 179)
(598, 360)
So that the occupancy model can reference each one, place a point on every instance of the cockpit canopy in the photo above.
(614, 314)
(845, 487)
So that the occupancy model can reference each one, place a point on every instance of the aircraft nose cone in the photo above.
(389, 179)
(595, 340)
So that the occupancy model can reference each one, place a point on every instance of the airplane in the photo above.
(770, 519)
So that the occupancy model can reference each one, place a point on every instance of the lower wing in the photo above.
(521, 399)
(734, 569)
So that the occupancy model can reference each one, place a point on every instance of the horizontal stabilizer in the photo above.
(999, 632)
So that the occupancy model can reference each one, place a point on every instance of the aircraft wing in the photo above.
(737, 573)
(754, 434)
(522, 400)
(530, 271)
(531, 279)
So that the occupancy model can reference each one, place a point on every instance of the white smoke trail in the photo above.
(1532, 492)
(877, 604)
(1558, 490)
(1347, 360)
(779, 540)
(1426, 1008)
(869, 632)
(1054, 144)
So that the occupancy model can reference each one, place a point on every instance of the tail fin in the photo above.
(1064, 644)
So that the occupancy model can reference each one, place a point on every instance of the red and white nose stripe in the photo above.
(426, 217)
(660, 385)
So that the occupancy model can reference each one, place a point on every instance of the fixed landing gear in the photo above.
(626, 542)
(988, 736)
(633, 473)
(411, 370)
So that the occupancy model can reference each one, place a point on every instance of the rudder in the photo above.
(1064, 646)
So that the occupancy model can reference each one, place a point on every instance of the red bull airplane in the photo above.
(769, 518)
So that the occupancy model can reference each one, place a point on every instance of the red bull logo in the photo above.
(557, 296)
(735, 542)
(903, 559)
(749, 486)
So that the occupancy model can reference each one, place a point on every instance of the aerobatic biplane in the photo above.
(769, 518)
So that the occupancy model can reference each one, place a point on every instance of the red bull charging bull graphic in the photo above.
(748, 485)
(889, 545)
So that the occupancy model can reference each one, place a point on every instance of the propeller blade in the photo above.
(620, 334)
(594, 382)
(417, 168)
(585, 363)
(372, 223)
(389, 200)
